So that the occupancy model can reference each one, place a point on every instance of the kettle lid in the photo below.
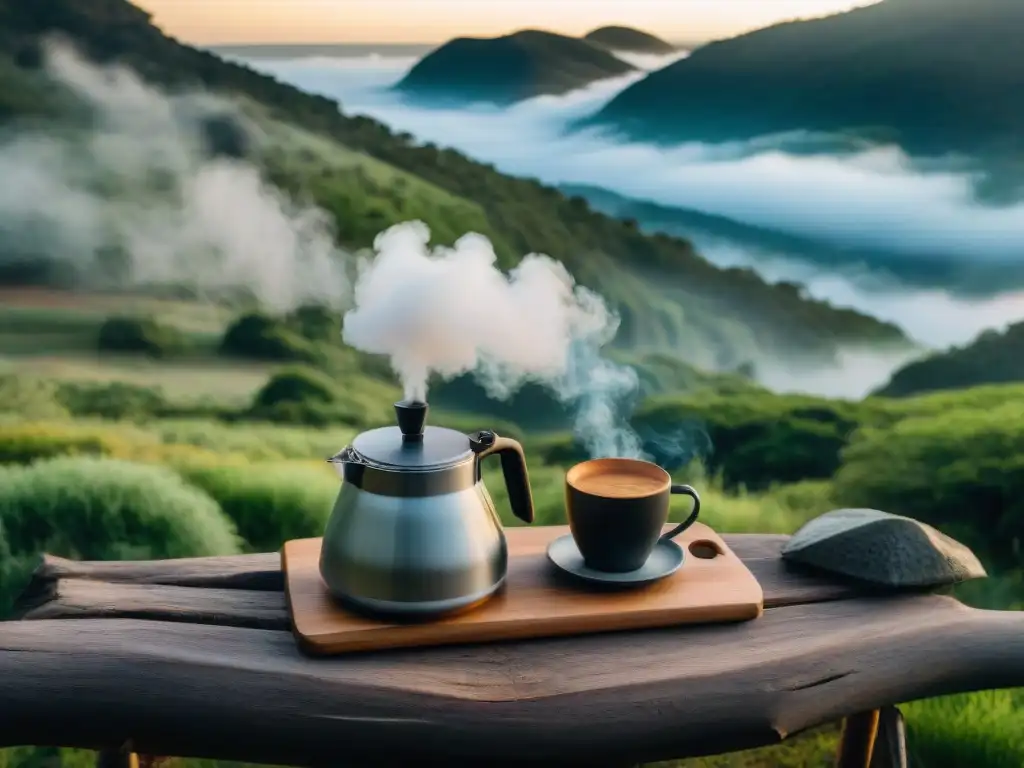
(410, 445)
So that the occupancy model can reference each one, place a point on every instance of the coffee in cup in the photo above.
(617, 508)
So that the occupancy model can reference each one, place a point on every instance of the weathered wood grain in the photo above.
(258, 572)
(47, 597)
(81, 598)
(248, 694)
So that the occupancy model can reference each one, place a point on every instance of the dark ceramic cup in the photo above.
(616, 522)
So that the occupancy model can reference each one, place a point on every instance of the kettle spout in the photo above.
(339, 460)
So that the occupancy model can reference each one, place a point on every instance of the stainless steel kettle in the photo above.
(414, 531)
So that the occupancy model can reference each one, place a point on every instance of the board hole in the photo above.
(705, 550)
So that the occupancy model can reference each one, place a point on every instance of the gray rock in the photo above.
(882, 548)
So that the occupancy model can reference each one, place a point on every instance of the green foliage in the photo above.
(979, 729)
(255, 441)
(256, 336)
(103, 509)
(295, 385)
(992, 358)
(315, 322)
(30, 397)
(962, 471)
(302, 395)
(47, 757)
(138, 335)
(270, 503)
(752, 440)
(26, 443)
(113, 400)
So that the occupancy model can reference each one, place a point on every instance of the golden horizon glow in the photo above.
(209, 22)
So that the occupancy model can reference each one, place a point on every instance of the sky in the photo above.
(208, 22)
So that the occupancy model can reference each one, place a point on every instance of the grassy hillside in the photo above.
(510, 68)
(366, 177)
(617, 38)
(936, 75)
(995, 357)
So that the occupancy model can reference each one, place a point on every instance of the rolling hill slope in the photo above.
(504, 70)
(669, 297)
(994, 357)
(937, 76)
(616, 38)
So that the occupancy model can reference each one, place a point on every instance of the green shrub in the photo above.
(962, 471)
(992, 357)
(255, 441)
(28, 442)
(315, 322)
(299, 395)
(138, 335)
(753, 440)
(270, 503)
(30, 398)
(259, 337)
(113, 400)
(105, 509)
(296, 385)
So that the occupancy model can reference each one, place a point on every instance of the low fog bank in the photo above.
(873, 198)
(142, 195)
(933, 318)
(856, 374)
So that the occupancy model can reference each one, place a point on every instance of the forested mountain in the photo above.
(938, 76)
(995, 357)
(628, 39)
(510, 68)
(668, 296)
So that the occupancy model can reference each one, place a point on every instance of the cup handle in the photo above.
(684, 490)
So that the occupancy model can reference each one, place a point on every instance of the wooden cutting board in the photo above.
(713, 585)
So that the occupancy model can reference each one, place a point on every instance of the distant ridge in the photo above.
(504, 70)
(317, 50)
(628, 39)
(994, 357)
(936, 76)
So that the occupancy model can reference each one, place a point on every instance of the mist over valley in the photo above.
(868, 227)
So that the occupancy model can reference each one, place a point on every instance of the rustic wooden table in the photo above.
(195, 658)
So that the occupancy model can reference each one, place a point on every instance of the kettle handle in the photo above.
(513, 467)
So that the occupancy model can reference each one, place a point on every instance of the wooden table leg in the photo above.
(117, 758)
(891, 744)
(857, 742)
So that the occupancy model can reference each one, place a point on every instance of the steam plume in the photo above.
(135, 197)
(449, 312)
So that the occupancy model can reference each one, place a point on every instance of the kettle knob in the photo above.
(412, 416)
